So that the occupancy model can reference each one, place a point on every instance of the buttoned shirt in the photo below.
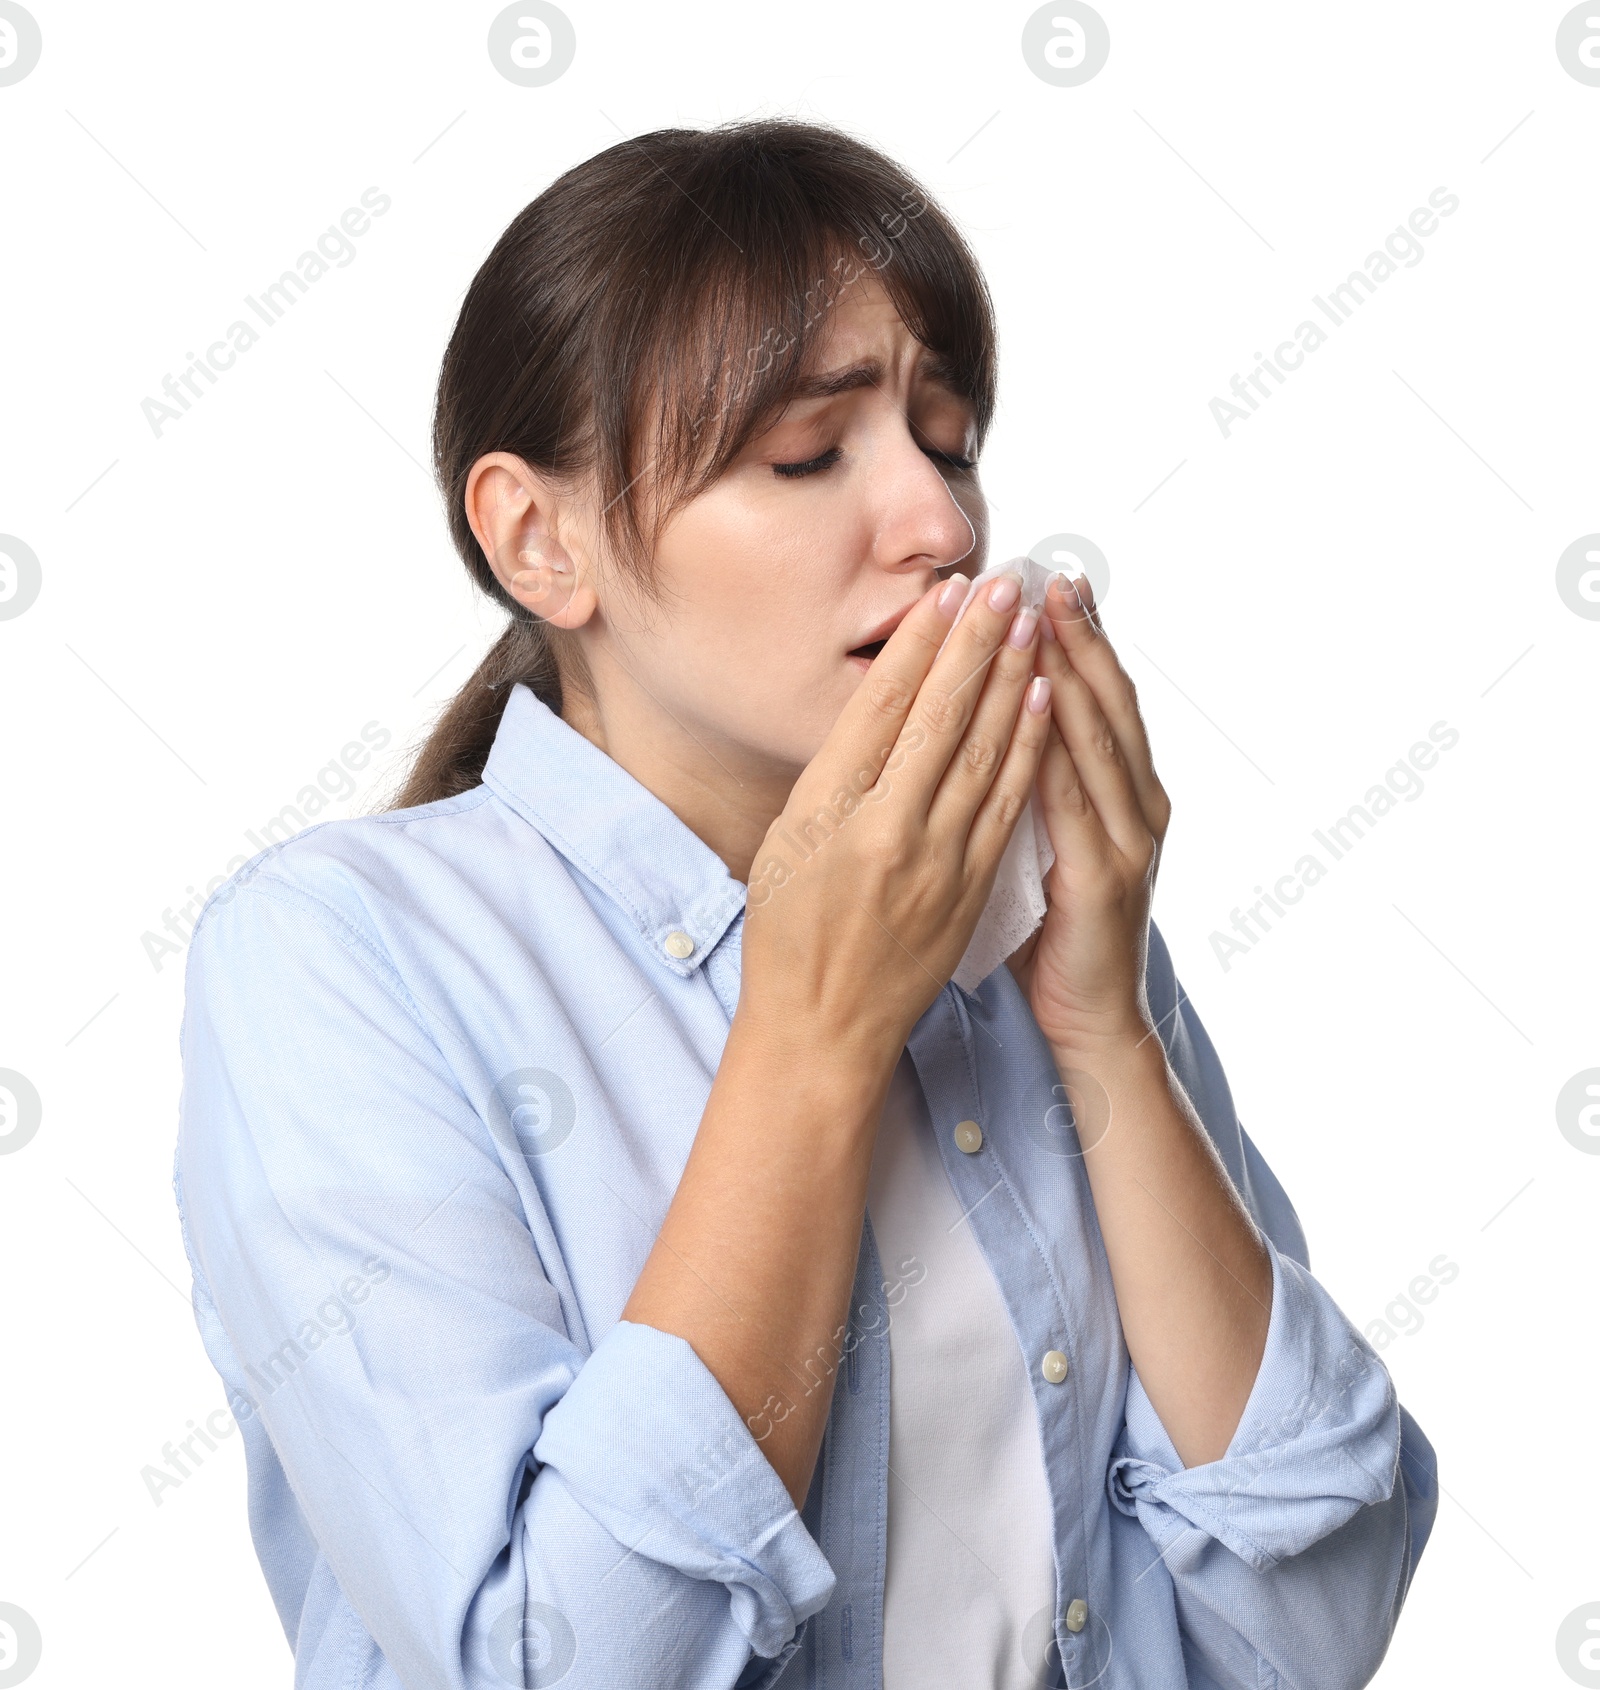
(442, 1070)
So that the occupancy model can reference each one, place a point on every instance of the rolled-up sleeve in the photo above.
(1291, 1554)
(1318, 1439)
(646, 1434)
(491, 1500)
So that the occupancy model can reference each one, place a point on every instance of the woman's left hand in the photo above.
(1083, 971)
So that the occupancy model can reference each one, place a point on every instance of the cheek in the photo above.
(751, 639)
(758, 583)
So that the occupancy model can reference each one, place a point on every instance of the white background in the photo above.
(225, 605)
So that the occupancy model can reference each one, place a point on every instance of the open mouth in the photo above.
(870, 650)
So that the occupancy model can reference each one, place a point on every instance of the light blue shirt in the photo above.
(442, 1069)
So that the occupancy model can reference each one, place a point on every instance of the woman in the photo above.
(631, 1260)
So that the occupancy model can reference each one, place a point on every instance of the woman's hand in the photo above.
(866, 890)
(1083, 971)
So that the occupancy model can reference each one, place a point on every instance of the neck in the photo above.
(724, 793)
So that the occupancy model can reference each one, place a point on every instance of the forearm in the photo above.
(756, 1257)
(1191, 1272)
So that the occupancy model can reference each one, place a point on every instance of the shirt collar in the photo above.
(613, 830)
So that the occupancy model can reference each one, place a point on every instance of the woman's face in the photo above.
(815, 541)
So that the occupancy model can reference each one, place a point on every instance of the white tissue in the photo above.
(1016, 905)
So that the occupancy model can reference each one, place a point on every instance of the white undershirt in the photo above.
(970, 1557)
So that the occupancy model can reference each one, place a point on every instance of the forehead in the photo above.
(863, 318)
(864, 342)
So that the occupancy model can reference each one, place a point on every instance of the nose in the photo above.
(919, 524)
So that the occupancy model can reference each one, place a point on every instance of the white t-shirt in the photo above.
(970, 1556)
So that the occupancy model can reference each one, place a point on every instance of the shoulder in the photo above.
(443, 906)
(349, 893)
(344, 873)
(331, 952)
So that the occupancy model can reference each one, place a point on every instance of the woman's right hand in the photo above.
(867, 889)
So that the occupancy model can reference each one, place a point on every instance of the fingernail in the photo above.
(955, 589)
(1022, 627)
(1039, 694)
(1004, 593)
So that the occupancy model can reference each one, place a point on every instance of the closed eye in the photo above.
(811, 465)
(826, 460)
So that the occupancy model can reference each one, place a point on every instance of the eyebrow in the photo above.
(868, 372)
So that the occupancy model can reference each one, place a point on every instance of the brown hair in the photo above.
(641, 321)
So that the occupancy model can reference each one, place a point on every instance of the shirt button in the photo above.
(1077, 1614)
(969, 1136)
(679, 945)
(1054, 1368)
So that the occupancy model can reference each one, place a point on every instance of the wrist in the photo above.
(1120, 1043)
(848, 1073)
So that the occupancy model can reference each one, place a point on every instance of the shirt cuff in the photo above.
(650, 1445)
(1319, 1439)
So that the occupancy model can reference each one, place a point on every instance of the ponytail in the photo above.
(452, 758)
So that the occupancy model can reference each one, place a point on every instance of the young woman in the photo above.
(631, 1260)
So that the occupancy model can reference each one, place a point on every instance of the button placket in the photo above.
(952, 1076)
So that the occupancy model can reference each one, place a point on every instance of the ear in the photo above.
(518, 517)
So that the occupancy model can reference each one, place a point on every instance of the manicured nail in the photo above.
(955, 589)
(1062, 582)
(1004, 593)
(1022, 627)
(1039, 694)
